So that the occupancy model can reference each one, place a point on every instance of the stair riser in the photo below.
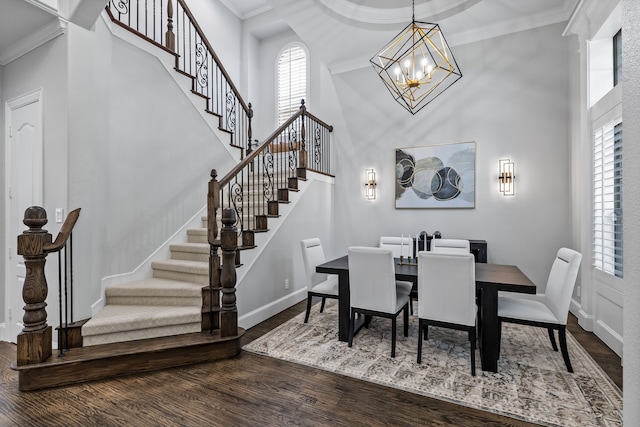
(151, 300)
(138, 334)
(190, 256)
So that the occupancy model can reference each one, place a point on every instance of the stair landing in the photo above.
(111, 360)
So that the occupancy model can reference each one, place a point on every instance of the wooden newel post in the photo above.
(34, 342)
(229, 243)
(303, 145)
(170, 37)
(211, 293)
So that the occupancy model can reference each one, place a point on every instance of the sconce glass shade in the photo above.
(370, 184)
(417, 65)
(507, 177)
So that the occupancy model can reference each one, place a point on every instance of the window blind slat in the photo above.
(607, 198)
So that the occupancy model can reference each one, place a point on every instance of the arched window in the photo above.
(292, 81)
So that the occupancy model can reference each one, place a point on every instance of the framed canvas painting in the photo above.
(437, 176)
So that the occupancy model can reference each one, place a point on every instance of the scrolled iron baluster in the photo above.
(231, 112)
(236, 196)
(267, 186)
(201, 65)
(293, 140)
(122, 6)
(317, 145)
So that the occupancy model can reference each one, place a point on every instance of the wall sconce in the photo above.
(370, 184)
(507, 177)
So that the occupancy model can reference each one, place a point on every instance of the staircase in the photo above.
(176, 317)
(170, 302)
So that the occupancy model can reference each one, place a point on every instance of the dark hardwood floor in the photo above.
(249, 390)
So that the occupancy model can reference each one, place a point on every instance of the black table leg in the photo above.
(344, 309)
(489, 332)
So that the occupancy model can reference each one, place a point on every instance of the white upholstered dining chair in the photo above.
(318, 284)
(398, 245)
(450, 245)
(374, 290)
(448, 281)
(551, 309)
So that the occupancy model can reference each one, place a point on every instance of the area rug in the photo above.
(532, 383)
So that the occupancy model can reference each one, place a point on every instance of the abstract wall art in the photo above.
(437, 176)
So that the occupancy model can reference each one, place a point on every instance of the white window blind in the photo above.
(607, 198)
(292, 82)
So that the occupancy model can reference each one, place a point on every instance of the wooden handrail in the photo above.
(213, 55)
(65, 232)
(247, 160)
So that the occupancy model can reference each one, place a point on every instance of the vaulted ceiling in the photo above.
(345, 33)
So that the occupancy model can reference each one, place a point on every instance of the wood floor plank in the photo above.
(248, 390)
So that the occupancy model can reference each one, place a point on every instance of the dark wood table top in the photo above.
(505, 277)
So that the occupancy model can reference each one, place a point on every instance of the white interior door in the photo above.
(24, 174)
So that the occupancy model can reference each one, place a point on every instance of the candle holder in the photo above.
(408, 261)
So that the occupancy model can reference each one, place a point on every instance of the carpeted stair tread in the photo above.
(190, 247)
(121, 318)
(182, 266)
(155, 287)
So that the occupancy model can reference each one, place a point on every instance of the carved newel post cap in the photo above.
(214, 173)
(228, 217)
(35, 217)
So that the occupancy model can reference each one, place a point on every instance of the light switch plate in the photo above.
(59, 214)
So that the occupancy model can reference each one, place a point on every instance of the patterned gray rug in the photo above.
(532, 383)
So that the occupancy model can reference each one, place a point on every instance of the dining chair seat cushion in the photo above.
(530, 309)
(402, 299)
(405, 287)
(328, 287)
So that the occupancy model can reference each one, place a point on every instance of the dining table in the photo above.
(490, 279)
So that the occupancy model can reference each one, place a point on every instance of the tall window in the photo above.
(292, 81)
(607, 198)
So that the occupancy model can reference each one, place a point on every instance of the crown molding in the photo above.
(548, 17)
(56, 28)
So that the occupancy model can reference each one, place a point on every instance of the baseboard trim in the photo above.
(261, 314)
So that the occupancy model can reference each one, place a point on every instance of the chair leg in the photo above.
(406, 321)
(552, 338)
(562, 335)
(393, 337)
(306, 316)
(411, 303)
(426, 331)
(322, 304)
(472, 338)
(419, 341)
(352, 321)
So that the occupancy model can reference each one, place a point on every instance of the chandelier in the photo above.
(417, 65)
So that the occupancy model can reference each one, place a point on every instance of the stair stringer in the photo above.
(249, 258)
(183, 82)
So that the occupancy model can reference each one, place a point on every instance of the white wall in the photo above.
(140, 161)
(513, 101)
(223, 29)
(262, 290)
(631, 111)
